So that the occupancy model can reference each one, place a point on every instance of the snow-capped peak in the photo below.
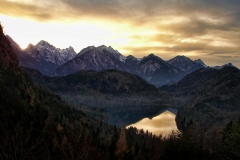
(45, 51)
(114, 53)
(45, 45)
(104, 50)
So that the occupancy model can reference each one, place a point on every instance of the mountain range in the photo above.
(52, 61)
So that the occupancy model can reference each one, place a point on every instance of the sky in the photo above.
(206, 29)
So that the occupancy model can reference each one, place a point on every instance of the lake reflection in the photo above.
(163, 124)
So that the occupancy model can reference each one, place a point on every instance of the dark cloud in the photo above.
(133, 11)
(220, 52)
(178, 47)
(227, 57)
(18, 9)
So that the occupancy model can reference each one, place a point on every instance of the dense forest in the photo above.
(111, 87)
(37, 124)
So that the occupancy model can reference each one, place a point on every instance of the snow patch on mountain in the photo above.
(103, 50)
(150, 67)
(114, 53)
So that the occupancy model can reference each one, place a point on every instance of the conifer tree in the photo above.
(121, 149)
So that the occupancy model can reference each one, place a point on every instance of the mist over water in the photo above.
(164, 123)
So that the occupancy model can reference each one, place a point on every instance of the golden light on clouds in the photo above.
(79, 35)
(204, 29)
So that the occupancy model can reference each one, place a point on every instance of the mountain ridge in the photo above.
(156, 71)
(185, 64)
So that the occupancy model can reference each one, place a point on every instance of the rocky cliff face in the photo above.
(185, 64)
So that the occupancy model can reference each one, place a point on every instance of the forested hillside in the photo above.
(210, 96)
(109, 95)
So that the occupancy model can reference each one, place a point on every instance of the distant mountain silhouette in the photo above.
(52, 61)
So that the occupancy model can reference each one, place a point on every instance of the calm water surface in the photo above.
(163, 124)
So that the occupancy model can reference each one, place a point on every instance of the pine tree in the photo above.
(121, 149)
(230, 141)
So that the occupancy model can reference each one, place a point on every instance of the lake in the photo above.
(164, 123)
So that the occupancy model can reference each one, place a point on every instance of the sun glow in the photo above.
(41, 3)
(22, 1)
(62, 35)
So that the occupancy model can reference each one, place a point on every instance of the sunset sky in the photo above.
(206, 29)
